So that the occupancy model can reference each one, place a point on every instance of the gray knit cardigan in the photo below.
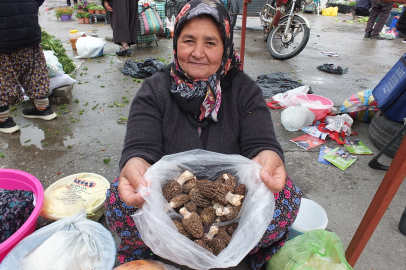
(157, 126)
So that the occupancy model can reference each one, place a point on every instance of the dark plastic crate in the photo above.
(173, 8)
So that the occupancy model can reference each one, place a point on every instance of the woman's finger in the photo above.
(128, 193)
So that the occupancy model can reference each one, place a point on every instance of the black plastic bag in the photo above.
(275, 83)
(330, 68)
(142, 70)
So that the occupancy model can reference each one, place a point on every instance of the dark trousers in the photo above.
(381, 9)
(361, 12)
(69, 3)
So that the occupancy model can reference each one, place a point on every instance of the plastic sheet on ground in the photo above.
(330, 68)
(142, 70)
(275, 83)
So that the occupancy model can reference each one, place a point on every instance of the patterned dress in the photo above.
(287, 203)
(26, 68)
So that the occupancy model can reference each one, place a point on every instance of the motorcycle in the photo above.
(285, 31)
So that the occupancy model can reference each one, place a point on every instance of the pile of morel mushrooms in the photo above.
(203, 205)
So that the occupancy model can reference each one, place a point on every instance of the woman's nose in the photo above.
(198, 51)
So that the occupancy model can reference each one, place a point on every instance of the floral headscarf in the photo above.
(202, 98)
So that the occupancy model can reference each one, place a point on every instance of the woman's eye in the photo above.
(211, 43)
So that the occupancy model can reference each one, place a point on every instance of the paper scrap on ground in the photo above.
(307, 141)
(355, 146)
(332, 54)
(340, 158)
(323, 151)
(314, 131)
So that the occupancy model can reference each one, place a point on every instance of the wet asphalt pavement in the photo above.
(88, 134)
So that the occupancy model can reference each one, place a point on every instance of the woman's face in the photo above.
(200, 48)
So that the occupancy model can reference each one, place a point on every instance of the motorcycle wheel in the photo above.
(233, 10)
(298, 36)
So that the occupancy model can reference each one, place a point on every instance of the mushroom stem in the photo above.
(214, 229)
(184, 212)
(219, 209)
(185, 176)
(234, 199)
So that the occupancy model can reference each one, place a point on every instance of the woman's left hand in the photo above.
(273, 171)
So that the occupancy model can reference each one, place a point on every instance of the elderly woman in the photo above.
(200, 101)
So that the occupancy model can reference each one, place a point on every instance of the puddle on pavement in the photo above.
(31, 135)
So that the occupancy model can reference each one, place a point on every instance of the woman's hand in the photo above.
(273, 171)
(107, 6)
(131, 177)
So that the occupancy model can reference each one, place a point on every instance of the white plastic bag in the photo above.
(72, 243)
(295, 117)
(159, 232)
(319, 109)
(54, 67)
(88, 47)
(339, 123)
(284, 99)
(59, 81)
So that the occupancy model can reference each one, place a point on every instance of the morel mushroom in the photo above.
(208, 216)
(240, 190)
(220, 193)
(222, 233)
(191, 206)
(181, 229)
(228, 213)
(228, 179)
(214, 229)
(185, 176)
(188, 185)
(196, 197)
(192, 223)
(217, 245)
(173, 188)
(203, 244)
(179, 200)
(231, 228)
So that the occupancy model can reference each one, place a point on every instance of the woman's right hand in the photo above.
(107, 6)
(131, 177)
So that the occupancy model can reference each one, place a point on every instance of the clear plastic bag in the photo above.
(72, 243)
(316, 106)
(54, 67)
(295, 117)
(159, 232)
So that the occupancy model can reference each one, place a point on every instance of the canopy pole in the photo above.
(243, 30)
(383, 197)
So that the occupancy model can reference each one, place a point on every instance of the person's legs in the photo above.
(118, 217)
(10, 89)
(372, 18)
(35, 81)
(287, 203)
(385, 9)
(68, 3)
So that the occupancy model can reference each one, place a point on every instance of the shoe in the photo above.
(377, 37)
(404, 40)
(368, 34)
(9, 126)
(127, 52)
(47, 114)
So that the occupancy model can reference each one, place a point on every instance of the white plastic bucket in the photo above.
(311, 216)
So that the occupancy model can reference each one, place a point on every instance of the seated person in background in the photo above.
(401, 26)
(362, 8)
(200, 101)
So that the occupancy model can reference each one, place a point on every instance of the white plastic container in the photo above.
(311, 216)
(72, 193)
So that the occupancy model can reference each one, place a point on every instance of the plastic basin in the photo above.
(311, 217)
(14, 179)
(324, 101)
